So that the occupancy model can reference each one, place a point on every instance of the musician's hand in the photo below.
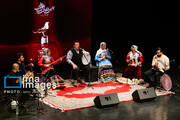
(87, 53)
(60, 59)
(156, 66)
(107, 56)
(166, 69)
(158, 60)
(32, 64)
(129, 61)
(102, 58)
(46, 65)
(74, 66)
(139, 64)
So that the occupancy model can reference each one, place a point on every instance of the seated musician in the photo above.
(22, 67)
(13, 72)
(20, 97)
(134, 60)
(160, 64)
(102, 59)
(48, 70)
(74, 59)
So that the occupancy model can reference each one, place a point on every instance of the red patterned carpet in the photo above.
(72, 98)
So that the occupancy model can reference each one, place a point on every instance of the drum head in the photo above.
(86, 59)
(166, 82)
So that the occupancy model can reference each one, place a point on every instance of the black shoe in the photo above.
(75, 84)
(81, 81)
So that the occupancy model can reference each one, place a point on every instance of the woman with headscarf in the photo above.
(48, 70)
(102, 58)
(134, 60)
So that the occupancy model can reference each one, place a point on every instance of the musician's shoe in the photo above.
(82, 81)
(75, 84)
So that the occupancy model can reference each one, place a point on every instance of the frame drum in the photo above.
(86, 59)
(166, 82)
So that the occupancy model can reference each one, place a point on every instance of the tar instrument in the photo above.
(58, 60)
(47, 69)
(166, 82)
(29, 73)
(86, 59)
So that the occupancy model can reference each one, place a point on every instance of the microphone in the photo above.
(173, 60)
(110, 50)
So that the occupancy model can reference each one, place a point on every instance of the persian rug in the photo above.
(82, 96)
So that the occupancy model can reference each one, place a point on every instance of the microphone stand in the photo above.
(89, 84)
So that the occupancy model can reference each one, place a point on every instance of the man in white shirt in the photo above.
(160, 64)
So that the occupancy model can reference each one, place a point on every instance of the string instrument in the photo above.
(48, 68)
(28, 73)
(161, 65)
(57, 60)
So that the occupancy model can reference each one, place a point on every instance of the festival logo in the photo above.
(42, 9)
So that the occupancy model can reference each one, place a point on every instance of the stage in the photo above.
(162, 108)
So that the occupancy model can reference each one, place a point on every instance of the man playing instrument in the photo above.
(160, 64)
(74, 59)
(13, 72)
(20, 97)
(22, 67)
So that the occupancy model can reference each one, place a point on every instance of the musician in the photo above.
(13, 72)
(74, 59)
(134, 59)
(22, 67)
(20, 97)
(103, 56)
(48, 70)
(160, 64)
(102, 59)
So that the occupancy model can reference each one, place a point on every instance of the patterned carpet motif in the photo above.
(82, 96)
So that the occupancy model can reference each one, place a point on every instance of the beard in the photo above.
(159, 55)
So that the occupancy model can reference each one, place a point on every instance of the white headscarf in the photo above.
(135, 47)
(100, 51)
(46, 51)
(135, 55)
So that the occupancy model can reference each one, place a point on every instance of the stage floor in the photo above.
(162, 108)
